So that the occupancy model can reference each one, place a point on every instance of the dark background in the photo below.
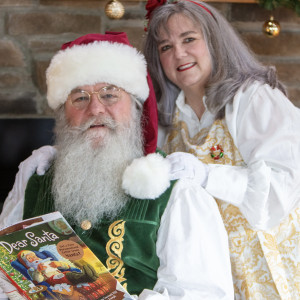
(18, 138)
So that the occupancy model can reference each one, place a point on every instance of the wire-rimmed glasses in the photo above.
(107, 95)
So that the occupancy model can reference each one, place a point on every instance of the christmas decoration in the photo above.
(216, 152)
(271, 27)
(151, 5)
(114, 9)
(273, 4)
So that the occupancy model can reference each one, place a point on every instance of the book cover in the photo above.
(45, 259)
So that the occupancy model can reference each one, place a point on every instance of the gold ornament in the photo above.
(86, 224)
(114, 9)
(271, 27)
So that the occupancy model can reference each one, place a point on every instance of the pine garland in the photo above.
(273, 4)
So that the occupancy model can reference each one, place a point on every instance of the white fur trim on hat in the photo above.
(147, 177)
(100, 61)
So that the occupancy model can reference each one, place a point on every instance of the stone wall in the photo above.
(31, 31)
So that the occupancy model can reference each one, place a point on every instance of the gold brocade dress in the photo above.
(265, 264)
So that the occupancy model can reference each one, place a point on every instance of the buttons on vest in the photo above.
(86, 224)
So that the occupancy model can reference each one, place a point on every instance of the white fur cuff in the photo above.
(147, 177)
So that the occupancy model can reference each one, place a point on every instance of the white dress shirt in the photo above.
(265, 127)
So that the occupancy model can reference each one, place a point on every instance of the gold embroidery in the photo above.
(265, 265)
(114, 248)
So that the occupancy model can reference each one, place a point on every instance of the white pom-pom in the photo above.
(147, 177)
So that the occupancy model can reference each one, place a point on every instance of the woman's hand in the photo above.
(186, 165)
(38, 162)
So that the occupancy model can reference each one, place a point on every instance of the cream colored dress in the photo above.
(255, 178)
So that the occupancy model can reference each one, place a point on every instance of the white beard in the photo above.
(87, 176)
(34, 264)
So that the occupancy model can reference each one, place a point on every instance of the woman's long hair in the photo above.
(233, 64)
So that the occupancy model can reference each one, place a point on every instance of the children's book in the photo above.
(45, 259)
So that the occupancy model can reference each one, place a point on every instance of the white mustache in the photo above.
(96, 121)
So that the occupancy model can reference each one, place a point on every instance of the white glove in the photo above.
(186, 165)
(39, 161)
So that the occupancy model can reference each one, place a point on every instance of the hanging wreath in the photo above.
(273, 4)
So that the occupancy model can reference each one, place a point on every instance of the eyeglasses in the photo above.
(107, 95)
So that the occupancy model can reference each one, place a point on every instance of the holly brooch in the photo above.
(216, 152)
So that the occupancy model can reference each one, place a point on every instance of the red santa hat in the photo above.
(109, 58)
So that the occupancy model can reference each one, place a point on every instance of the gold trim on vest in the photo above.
(114, 248)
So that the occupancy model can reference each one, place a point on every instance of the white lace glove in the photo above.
(186, 165)
(39, 161)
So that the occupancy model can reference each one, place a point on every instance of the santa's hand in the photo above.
(186, 165)
(55, 264)
(41, 267)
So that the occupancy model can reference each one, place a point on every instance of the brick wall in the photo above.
(31, 31)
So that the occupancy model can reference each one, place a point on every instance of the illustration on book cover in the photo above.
(49, 261)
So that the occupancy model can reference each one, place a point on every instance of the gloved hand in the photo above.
(186, 165)
(38, 162)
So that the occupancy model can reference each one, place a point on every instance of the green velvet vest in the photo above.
(126, 245)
